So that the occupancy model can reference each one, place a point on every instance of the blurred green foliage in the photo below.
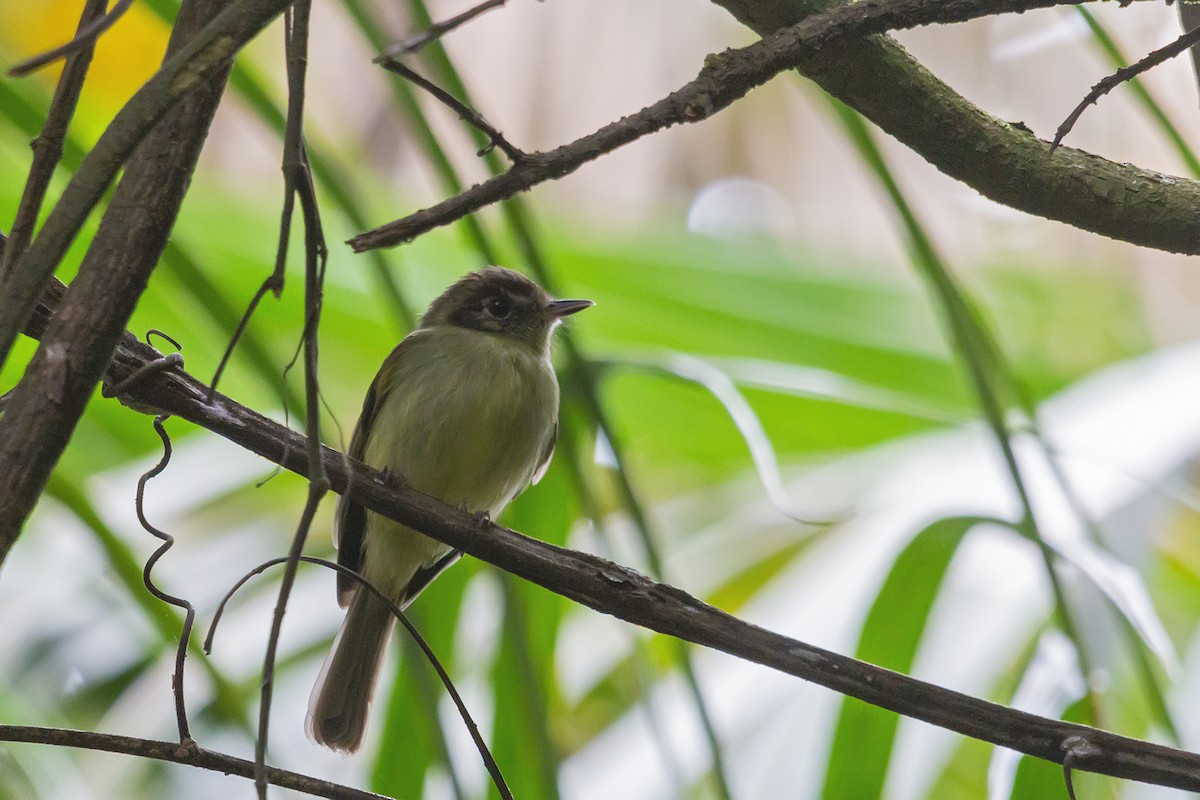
(838, 361)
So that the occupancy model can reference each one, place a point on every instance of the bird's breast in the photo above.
(467, 417)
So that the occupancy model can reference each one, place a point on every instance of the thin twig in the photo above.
(297, 184)
(1104, 40)
(1066, 768)
(336, 179)
(1105, 86)
(439, 29)
(172, 361)
(48, 146)
(725, 78)
(465, 112)
(188, 754)
(273, 284)
(85, 39)
(422, 686)
(189, 611)
(488, 760)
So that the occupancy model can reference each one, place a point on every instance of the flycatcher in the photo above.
(465, 409)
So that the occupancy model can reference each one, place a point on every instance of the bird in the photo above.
(465, 408)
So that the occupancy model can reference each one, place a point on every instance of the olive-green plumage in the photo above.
(465, 408)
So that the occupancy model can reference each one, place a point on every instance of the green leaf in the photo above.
(412, 741)
(523, 680)
(891, 634)
(525, 692)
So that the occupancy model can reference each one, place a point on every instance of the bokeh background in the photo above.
(766, 354)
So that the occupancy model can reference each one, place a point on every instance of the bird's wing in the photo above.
(547, 454)
(350, 524)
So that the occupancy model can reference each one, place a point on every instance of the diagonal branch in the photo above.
(613, 589)
(187, 753)
(465, 112)
(725, 78)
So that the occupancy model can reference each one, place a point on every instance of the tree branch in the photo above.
(728, 76)
(613, 589)
(187, 753)
(1003, 162)
(465, 112)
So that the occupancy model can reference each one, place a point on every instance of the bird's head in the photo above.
(502, 302)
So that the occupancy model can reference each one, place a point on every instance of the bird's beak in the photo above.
(562, 308)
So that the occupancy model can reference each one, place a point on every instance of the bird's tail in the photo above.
(337, 710)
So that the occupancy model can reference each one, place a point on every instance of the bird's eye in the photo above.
(498, 307)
